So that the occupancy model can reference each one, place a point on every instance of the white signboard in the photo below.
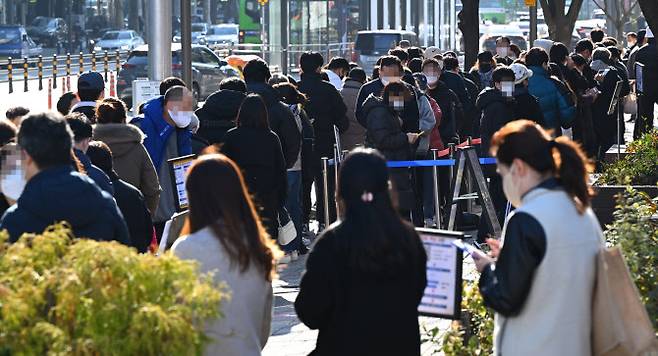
(179, 167)
(143, 91)
(442, 296)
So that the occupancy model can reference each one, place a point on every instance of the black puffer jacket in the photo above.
(218, 114)
(282, 122)
(384, 130)
(325, 108)
(527, 106)
(452, 111)
(496, 112)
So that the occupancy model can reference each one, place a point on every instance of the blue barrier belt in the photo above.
(427, 163)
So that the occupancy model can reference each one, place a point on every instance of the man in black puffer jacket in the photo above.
(219, 112)
(282, 121)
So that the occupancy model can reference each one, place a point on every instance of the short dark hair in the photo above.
(80, 125)
(16, 112)
(101, 156)
(536, 56)
(7, 132)
(175, 93)
(485, 56)
(450, 63)
(615, 53)
(358, 74)
(111, 111)
(290, 94)
(501, 73)
(256, 71)
(631, 34)
(578, 59)
(558, 52)
(233, 83)
(402, 55)
(47, 138)
(253, 113)
(584, 45)
(415, 65)
(601, 54)
(415, 52)
(278, 78)
(339, 63)
(64, 102)
(503, 39)
(310, 61)
(596, 35)
(169, 83)
(516, 49)
(89, 94)
(389, 61)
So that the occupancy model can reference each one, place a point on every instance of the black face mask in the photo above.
(485, 67)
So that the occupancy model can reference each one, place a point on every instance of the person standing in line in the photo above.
(527, 106)
(483, 70)
(503, 51)
(7, 135)
(220, 110)
(540, 277)
(370, 261)
(337, 69)
(223, 233)
(82, 134)
(16, 114)
(256, 149)
(355, 134)
(647, 55)
(91, 89)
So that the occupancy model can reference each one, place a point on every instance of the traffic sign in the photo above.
(531, 2)
(264, 2)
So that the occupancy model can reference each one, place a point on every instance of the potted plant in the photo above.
(60, 295)
(638, 169)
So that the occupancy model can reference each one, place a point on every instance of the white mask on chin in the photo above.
(182, 119)
(13, 183)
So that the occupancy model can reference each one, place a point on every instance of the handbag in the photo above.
(287, 231)
(630, 104)
(620, 323)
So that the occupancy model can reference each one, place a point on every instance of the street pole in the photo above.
(533, 23)
(159, 38)
(284, 37)
(186, 41)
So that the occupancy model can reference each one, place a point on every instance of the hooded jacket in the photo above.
(282, 121)
(554, 105)
(157, 132)
(355, 134)
(527, 106)
(218, 114)
(452, 111)
(61, 194)
(131, 160)
(384, 130)
(496, 112)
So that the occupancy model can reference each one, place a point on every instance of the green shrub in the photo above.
(640, 167)
(636, 233)
(60, 295)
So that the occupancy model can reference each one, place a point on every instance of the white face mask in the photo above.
(387, 80)
(507, 88)
(431, 79)
(13, 183)
(182, 119)
(502, 51)
(398, 105)
(511, 189)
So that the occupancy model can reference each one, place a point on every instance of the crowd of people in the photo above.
(260, 141)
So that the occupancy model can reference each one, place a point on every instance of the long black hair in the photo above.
(375, 236)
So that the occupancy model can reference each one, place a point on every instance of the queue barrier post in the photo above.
(40, 72)
(337, 159)
(25, 73)
(117, 59)
(81, 63)
(437, 201)
(325, 181)
(64, 85)
(54, 71)
(451, 155)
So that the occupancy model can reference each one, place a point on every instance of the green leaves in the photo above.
(640, 167)
(60, 295)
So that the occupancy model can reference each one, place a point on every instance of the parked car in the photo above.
(370, 45)
(48, 31)
(514, 33)
(208, 70)
(16, 43)
(199, 30)
(223, 34)
(124, 40)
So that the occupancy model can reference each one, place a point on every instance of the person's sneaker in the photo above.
(294, 255)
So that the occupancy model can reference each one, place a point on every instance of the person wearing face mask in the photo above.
(503, 51)
(527, 106)
(605, 126)
(540, 276)
(7, 135)
(585, 47)
(385, 133)
(583, 128)
(454, 81)
(337, 69)
(47, 189)
(448, 101)
(558, 109)
(165, 124)
(483, 70)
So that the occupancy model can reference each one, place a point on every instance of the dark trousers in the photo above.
(644, 121)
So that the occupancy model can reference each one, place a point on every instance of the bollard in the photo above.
(50, 94)
(93, 61)
(81, 63)
(113, 91)
(437, 200)
(54, 71)
(40, 72)
(64, 85)
(337, 159)
(68, 64)
(106, 65)
(118, 61)
(68, 83)
(25, 74)
(10, 75)
(325, 181)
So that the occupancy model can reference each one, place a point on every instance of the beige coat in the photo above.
(131, 161)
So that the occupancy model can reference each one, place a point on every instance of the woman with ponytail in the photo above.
(539, 279)
(365, 276)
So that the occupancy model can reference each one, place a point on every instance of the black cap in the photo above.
(91, 81)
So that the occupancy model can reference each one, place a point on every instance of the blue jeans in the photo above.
(294, 207)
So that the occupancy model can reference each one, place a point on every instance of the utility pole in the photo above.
(284, 37)
(159, 38)
(533, 20)
(186, 41)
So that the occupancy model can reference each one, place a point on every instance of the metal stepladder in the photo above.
(467, 159)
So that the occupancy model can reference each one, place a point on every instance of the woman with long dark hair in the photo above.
(365, 275)
(257, 151)
(541, 283)
(224, 233)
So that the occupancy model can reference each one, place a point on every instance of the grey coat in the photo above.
(355, 134)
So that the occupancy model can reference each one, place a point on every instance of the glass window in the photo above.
(376, 41)
(224, 31)
(9, 35)
(124, 35)
(208, 58)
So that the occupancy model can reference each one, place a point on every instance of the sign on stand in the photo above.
(178, 170)
(443, 294)
(143, 91)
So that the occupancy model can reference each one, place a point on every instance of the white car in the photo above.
(124, 40)
(223, 34)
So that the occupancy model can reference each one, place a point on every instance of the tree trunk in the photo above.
(560, 25)
(650, 12)
(469, 24)
(133, 15)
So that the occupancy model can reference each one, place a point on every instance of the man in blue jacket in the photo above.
(166, 124)
(559, 111)
(52, 191)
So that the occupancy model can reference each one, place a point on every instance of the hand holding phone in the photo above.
(480, 258)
